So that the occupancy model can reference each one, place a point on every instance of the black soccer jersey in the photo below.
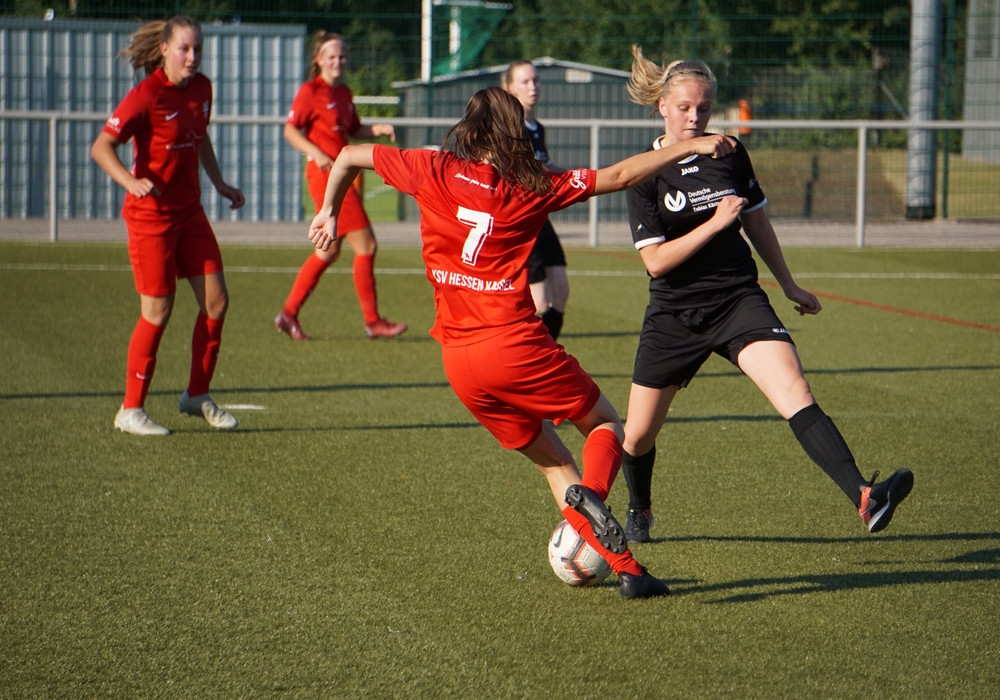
(680, 199)
(537, 134)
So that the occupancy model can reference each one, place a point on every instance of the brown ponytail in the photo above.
(143, 49)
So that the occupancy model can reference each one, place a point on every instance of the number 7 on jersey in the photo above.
(482, 227)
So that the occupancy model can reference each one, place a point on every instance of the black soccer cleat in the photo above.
(645, 586)
(638, 524)
(607, 530)
(879, 501)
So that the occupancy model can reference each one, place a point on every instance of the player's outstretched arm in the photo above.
(323, 229)
(636, 169)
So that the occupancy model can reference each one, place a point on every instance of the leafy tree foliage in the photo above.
(842, 58)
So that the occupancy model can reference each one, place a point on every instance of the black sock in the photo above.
(553, 320)
(825, 445)
(638, 473)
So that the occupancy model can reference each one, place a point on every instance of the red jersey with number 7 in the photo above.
(477, 234)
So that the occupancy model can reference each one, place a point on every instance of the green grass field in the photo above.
(361, 535)
(833, 173)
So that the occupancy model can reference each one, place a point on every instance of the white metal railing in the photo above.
(593, 126)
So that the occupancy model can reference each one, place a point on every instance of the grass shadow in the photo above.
(819, 583)
(763, 588)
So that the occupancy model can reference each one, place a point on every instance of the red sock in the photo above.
(142, 350)
(619, 562)
(205, 342)
(305, 282)
(364, 284)
(602, 458)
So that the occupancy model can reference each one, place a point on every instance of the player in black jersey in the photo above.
(547, 263)
(704, 297)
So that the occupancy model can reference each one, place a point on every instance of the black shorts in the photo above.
(547, 252)
(675, 343)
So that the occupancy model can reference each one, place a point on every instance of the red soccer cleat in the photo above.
(289, 324)
(383, 328)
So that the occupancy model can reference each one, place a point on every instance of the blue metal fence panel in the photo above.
(73, 66)
(982, 101)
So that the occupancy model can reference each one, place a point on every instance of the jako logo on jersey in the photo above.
(673, 203)
(578, 180)
(779, 331)
(753, 182)
(689, 171)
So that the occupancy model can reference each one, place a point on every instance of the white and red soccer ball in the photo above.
(573, 560)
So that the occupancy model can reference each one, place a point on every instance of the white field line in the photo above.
(346, 270)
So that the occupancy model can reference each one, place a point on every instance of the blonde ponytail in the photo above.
(649, 82)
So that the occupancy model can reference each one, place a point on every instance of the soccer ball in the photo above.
(573, 560)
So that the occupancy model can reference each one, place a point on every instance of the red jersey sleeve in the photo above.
(299, 115)
(404, 170)
(570, 188)
(131, 115)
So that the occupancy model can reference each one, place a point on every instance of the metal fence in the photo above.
(70, 68)
(59, 80)
(858, 184)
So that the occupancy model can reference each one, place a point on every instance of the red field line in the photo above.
(895, 310)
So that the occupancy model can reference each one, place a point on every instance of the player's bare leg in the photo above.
(556, 463)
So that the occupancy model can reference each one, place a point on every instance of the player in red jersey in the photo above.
(483, 200)
(321, 122)
(169, 237)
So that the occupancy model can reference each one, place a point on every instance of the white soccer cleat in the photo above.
(137, 422)
(203, 406)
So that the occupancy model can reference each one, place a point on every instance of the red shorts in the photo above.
(164, 250)
(514, 381)
(352, 212)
